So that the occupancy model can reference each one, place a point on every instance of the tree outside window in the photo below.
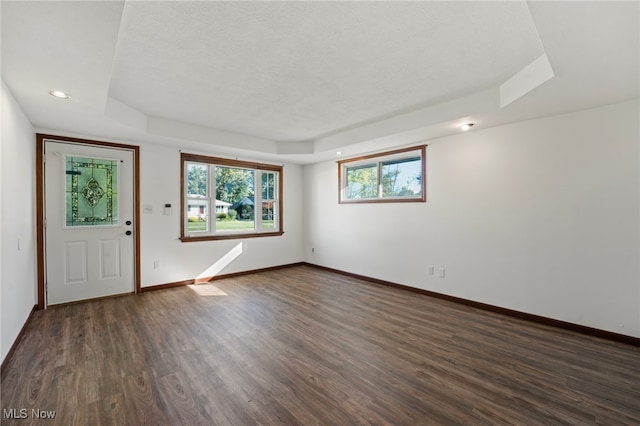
(386, 177)
(225, 198)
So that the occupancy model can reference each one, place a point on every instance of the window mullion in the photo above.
(257, 211)
(212, 200)
(185, 222)
(276, 205)
(379, 173)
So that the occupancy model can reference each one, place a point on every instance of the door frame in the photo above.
(40, 206)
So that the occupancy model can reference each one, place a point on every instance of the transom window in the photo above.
(224, 198)
(394, 176)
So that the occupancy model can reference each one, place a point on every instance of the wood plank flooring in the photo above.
(303, 346)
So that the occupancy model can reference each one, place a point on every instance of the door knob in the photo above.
(128, 232)
(128, 222)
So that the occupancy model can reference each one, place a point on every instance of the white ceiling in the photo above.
(298, 81)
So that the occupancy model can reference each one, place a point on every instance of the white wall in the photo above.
(160, 185)
(17, 221)
(541, 216)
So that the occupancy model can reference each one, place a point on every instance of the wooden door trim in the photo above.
(40, 205)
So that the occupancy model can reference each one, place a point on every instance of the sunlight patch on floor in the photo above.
(207, 290)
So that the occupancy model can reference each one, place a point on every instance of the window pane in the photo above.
(198, 197)
(91, 191)
(268, 214)
(197, 178)
(362, 181)
(268, 185)
(198, 214)
(402, 178)
(235, 186)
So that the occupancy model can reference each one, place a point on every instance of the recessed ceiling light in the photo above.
(60, 94)
(466, 126)
(338, 152)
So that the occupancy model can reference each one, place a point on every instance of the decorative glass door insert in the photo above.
(91, 191)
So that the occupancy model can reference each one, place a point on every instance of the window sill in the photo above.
(187, 239)
(384, 200)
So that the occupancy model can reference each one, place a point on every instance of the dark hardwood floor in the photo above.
(306, 346)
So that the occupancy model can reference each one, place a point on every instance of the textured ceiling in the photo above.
(297, 71)
(296, 81)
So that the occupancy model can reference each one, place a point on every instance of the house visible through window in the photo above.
(225, 198)
(395, 176)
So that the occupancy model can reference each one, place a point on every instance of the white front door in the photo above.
(89, 212)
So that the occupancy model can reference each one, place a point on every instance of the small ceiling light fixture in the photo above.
(338, 152)
(466, 126)
(60, 94)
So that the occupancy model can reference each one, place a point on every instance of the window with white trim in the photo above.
(394, 176)
(224, 198)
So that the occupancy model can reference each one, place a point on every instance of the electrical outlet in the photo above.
(441, 272)
(313, 249)
(156, 264)
(431, 269)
